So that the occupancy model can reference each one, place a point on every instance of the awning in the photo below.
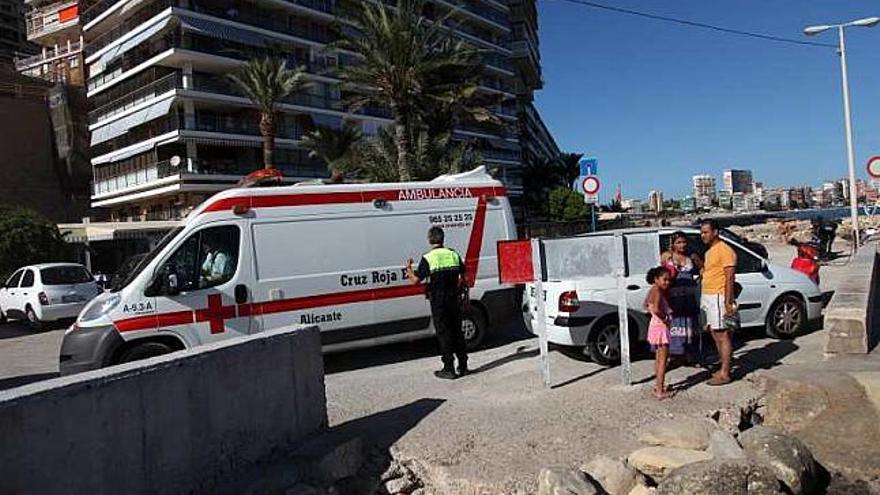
(79, 233)
(121, 126)
(327, 121)
(128, 153)
(220, 31)
(98, 65)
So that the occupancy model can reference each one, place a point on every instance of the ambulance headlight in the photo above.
(99, 307)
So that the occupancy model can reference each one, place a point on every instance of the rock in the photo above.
(657, 462)
(684, 433)
(641, 490)
(331, 458)
(560, 481)
(613, 475)
(722, 445)
(400, 485)
(721, 477)
(790, 459)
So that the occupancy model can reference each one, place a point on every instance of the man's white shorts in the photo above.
(712, 310)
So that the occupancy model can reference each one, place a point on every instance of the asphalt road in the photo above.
(27, 356)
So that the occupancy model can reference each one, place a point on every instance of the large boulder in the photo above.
(721, 477)
(683, 433)
(613, 475)
(722, 445)
(560, 481)
(657, 462)
(790, 459)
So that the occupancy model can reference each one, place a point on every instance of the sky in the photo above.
(657, 102)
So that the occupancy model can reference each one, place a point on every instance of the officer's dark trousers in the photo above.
(447, 324)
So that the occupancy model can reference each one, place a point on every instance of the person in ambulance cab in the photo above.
(444, 271)
(216, 265)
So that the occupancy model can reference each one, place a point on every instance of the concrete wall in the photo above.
(180, 423)
(849, 315)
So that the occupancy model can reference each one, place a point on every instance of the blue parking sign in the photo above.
(589, 166)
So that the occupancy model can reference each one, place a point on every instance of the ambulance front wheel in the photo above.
(473, 325)
(144, 351)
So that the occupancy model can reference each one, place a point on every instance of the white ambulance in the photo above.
(255, 259)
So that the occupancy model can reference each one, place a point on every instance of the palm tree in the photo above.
(567, 168)
(266, 82)
(402, 54)
(333, 146)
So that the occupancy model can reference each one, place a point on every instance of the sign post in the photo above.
(521, 262)
(623, 320)
(541, 329)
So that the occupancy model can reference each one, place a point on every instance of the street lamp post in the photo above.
(847, 113)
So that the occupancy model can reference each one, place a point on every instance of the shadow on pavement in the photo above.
(15, 328)
(365, 442)
(20, 380)
(761, 358)
(368, 357)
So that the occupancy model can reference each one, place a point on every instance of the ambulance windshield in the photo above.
(124, 278)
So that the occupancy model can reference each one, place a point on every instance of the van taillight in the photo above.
(44, 300)
(568, 301)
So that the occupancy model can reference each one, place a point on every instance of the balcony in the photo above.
(49, 55)
(51, 20)
(480, 9)
(223, 124)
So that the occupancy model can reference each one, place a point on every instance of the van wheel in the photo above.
(603, 346)
(32, 319)
(144, 351)
(787, 318)
(473, 325)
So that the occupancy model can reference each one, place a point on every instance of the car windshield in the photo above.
(65, 275)
(126, 278)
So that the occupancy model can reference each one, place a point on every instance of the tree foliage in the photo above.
(544, 176)
(335, 147)
(427, 79)
(266, 82)
(27, 238)
(565, 205)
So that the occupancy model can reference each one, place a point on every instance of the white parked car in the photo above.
(47, 292)
(582, 310)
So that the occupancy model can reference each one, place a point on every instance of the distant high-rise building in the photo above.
(54, 26)
(738, 181)
(13, 38)
(655, 201)
(704, 190)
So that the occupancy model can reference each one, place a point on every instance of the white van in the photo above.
(255, 259)
(582, 310)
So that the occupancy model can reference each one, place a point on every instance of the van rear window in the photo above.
(65, 275)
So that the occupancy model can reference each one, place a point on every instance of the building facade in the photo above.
(705, 192)
(54, 27)
(13, 38)
(655, 201)
(738, 181)
(167, 130)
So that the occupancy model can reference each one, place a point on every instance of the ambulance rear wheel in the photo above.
(144, 351)
(473, 325)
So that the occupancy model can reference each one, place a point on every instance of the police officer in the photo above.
(445, 272)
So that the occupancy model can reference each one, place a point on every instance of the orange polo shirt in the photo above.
(718, 257)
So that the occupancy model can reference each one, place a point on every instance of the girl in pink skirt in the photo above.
(658, 330)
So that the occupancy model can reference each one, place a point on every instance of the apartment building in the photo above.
(13, 39)
(54, 26)
(167, 130)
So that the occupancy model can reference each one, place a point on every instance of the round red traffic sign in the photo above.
(874, 167)
(590, 185)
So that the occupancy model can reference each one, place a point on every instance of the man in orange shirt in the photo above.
(718, 297)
